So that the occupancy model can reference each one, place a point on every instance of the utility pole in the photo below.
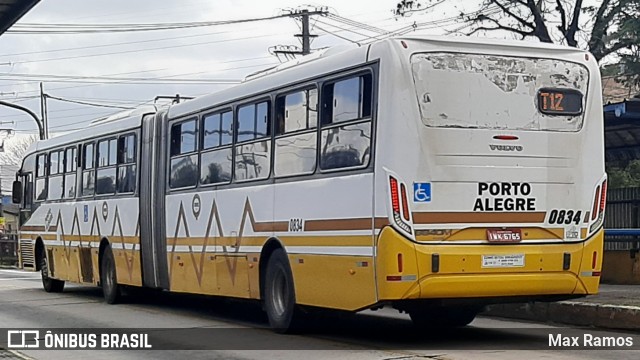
(43, 111)
(306, 35)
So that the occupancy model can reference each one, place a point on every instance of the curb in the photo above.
(572, 313)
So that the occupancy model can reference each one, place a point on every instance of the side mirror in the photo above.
(16, 192)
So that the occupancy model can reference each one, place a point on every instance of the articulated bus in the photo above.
(432, 175)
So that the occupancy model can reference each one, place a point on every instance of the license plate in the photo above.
(502, 261)
(504, 235)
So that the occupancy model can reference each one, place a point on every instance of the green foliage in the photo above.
(623, 177)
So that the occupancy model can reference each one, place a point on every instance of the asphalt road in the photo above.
(239, 330)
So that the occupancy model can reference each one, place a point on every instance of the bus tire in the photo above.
(437, 318)
(108, 278)
(50, 285)
(279, 293)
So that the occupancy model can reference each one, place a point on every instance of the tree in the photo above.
(623, 175)
(613, 23)
(11, 158)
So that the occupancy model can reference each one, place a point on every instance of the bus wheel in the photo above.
(279, 294)
(108, 278)
(437, 318)
(49, 284)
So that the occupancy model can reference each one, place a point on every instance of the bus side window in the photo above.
(348, 99)
(71, 161)
(41, 180)
(126, 181)
(106, 170)
(346, 121)
(215, 160)
(56, 178)
(253, 158)
(253, 121)
(184, 158)
(88, 172)
(295, 146)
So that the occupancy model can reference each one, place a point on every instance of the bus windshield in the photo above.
(499, 92)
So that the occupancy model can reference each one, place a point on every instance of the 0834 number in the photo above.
(564, 217)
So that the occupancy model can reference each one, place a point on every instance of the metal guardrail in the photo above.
(620, 232)
(622, 239)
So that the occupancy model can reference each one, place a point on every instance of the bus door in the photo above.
(27, 197)
(27, 259)
(153, 250)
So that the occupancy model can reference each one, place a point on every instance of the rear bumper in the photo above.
(407, 270)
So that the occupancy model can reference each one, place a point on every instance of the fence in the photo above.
(622, 220)
(9, 249)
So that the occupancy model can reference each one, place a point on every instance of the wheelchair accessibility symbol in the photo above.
(421, 192)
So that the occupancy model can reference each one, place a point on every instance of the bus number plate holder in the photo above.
(504, 235)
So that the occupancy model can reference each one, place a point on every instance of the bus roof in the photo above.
(492, 42)
(295, 71)
(336, 58)
(119, 121)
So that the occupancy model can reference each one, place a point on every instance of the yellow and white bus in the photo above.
(434, 175)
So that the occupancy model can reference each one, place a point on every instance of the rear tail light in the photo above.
(594, 212)
(405, 202)
(393, 183)
(401, 220)
(603, 196)
(599, 204)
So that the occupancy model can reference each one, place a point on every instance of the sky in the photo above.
(163, 63)
(189, 62)
(225, 52)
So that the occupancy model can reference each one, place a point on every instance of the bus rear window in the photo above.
(499, 92)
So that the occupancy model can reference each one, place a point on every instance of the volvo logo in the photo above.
(505, 147)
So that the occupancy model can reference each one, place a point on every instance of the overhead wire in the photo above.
(125, 83)
(145, 49)
(117, 44)
(38, 28)
(132, 81)
(87, 103)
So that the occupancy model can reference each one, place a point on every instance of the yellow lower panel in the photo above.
(498, 285)
(232, 275)
(589, 282)
(193, 273)
(65, 263)
(338, 282)
(128, 267)
(405, 269)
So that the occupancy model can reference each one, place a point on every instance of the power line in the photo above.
(37, 28)
(144, 50)
(156, 80)
(87, 103)
(160, 77)
(128, 81)
(357, 24)
(118, 44)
